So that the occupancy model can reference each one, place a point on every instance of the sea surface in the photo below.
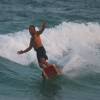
(71, 39)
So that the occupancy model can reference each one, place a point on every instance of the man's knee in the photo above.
(43, 63)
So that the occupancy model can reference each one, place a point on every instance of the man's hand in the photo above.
(20, 52)
(43, 26)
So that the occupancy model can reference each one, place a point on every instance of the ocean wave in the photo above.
(70, 45)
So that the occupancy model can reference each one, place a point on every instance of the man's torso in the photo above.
(36, 41)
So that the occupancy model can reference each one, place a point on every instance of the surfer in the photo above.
(36, 43)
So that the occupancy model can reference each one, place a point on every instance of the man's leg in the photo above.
(43, 63)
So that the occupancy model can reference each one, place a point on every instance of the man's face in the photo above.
(31, 30)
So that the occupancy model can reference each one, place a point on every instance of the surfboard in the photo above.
(51, 71)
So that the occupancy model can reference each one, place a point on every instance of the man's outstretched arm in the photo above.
(42, 28)
(26, 50)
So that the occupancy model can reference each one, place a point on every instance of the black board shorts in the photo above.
(41, 53)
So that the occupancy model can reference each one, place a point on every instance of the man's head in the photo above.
(32, 29)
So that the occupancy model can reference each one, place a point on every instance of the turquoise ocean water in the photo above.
(71, 39)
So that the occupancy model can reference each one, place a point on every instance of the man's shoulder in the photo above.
(38, 32)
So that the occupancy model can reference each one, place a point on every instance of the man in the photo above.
(36, 43)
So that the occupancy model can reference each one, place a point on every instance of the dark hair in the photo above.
(31, 26)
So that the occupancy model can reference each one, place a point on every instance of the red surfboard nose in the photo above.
(50, 71)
